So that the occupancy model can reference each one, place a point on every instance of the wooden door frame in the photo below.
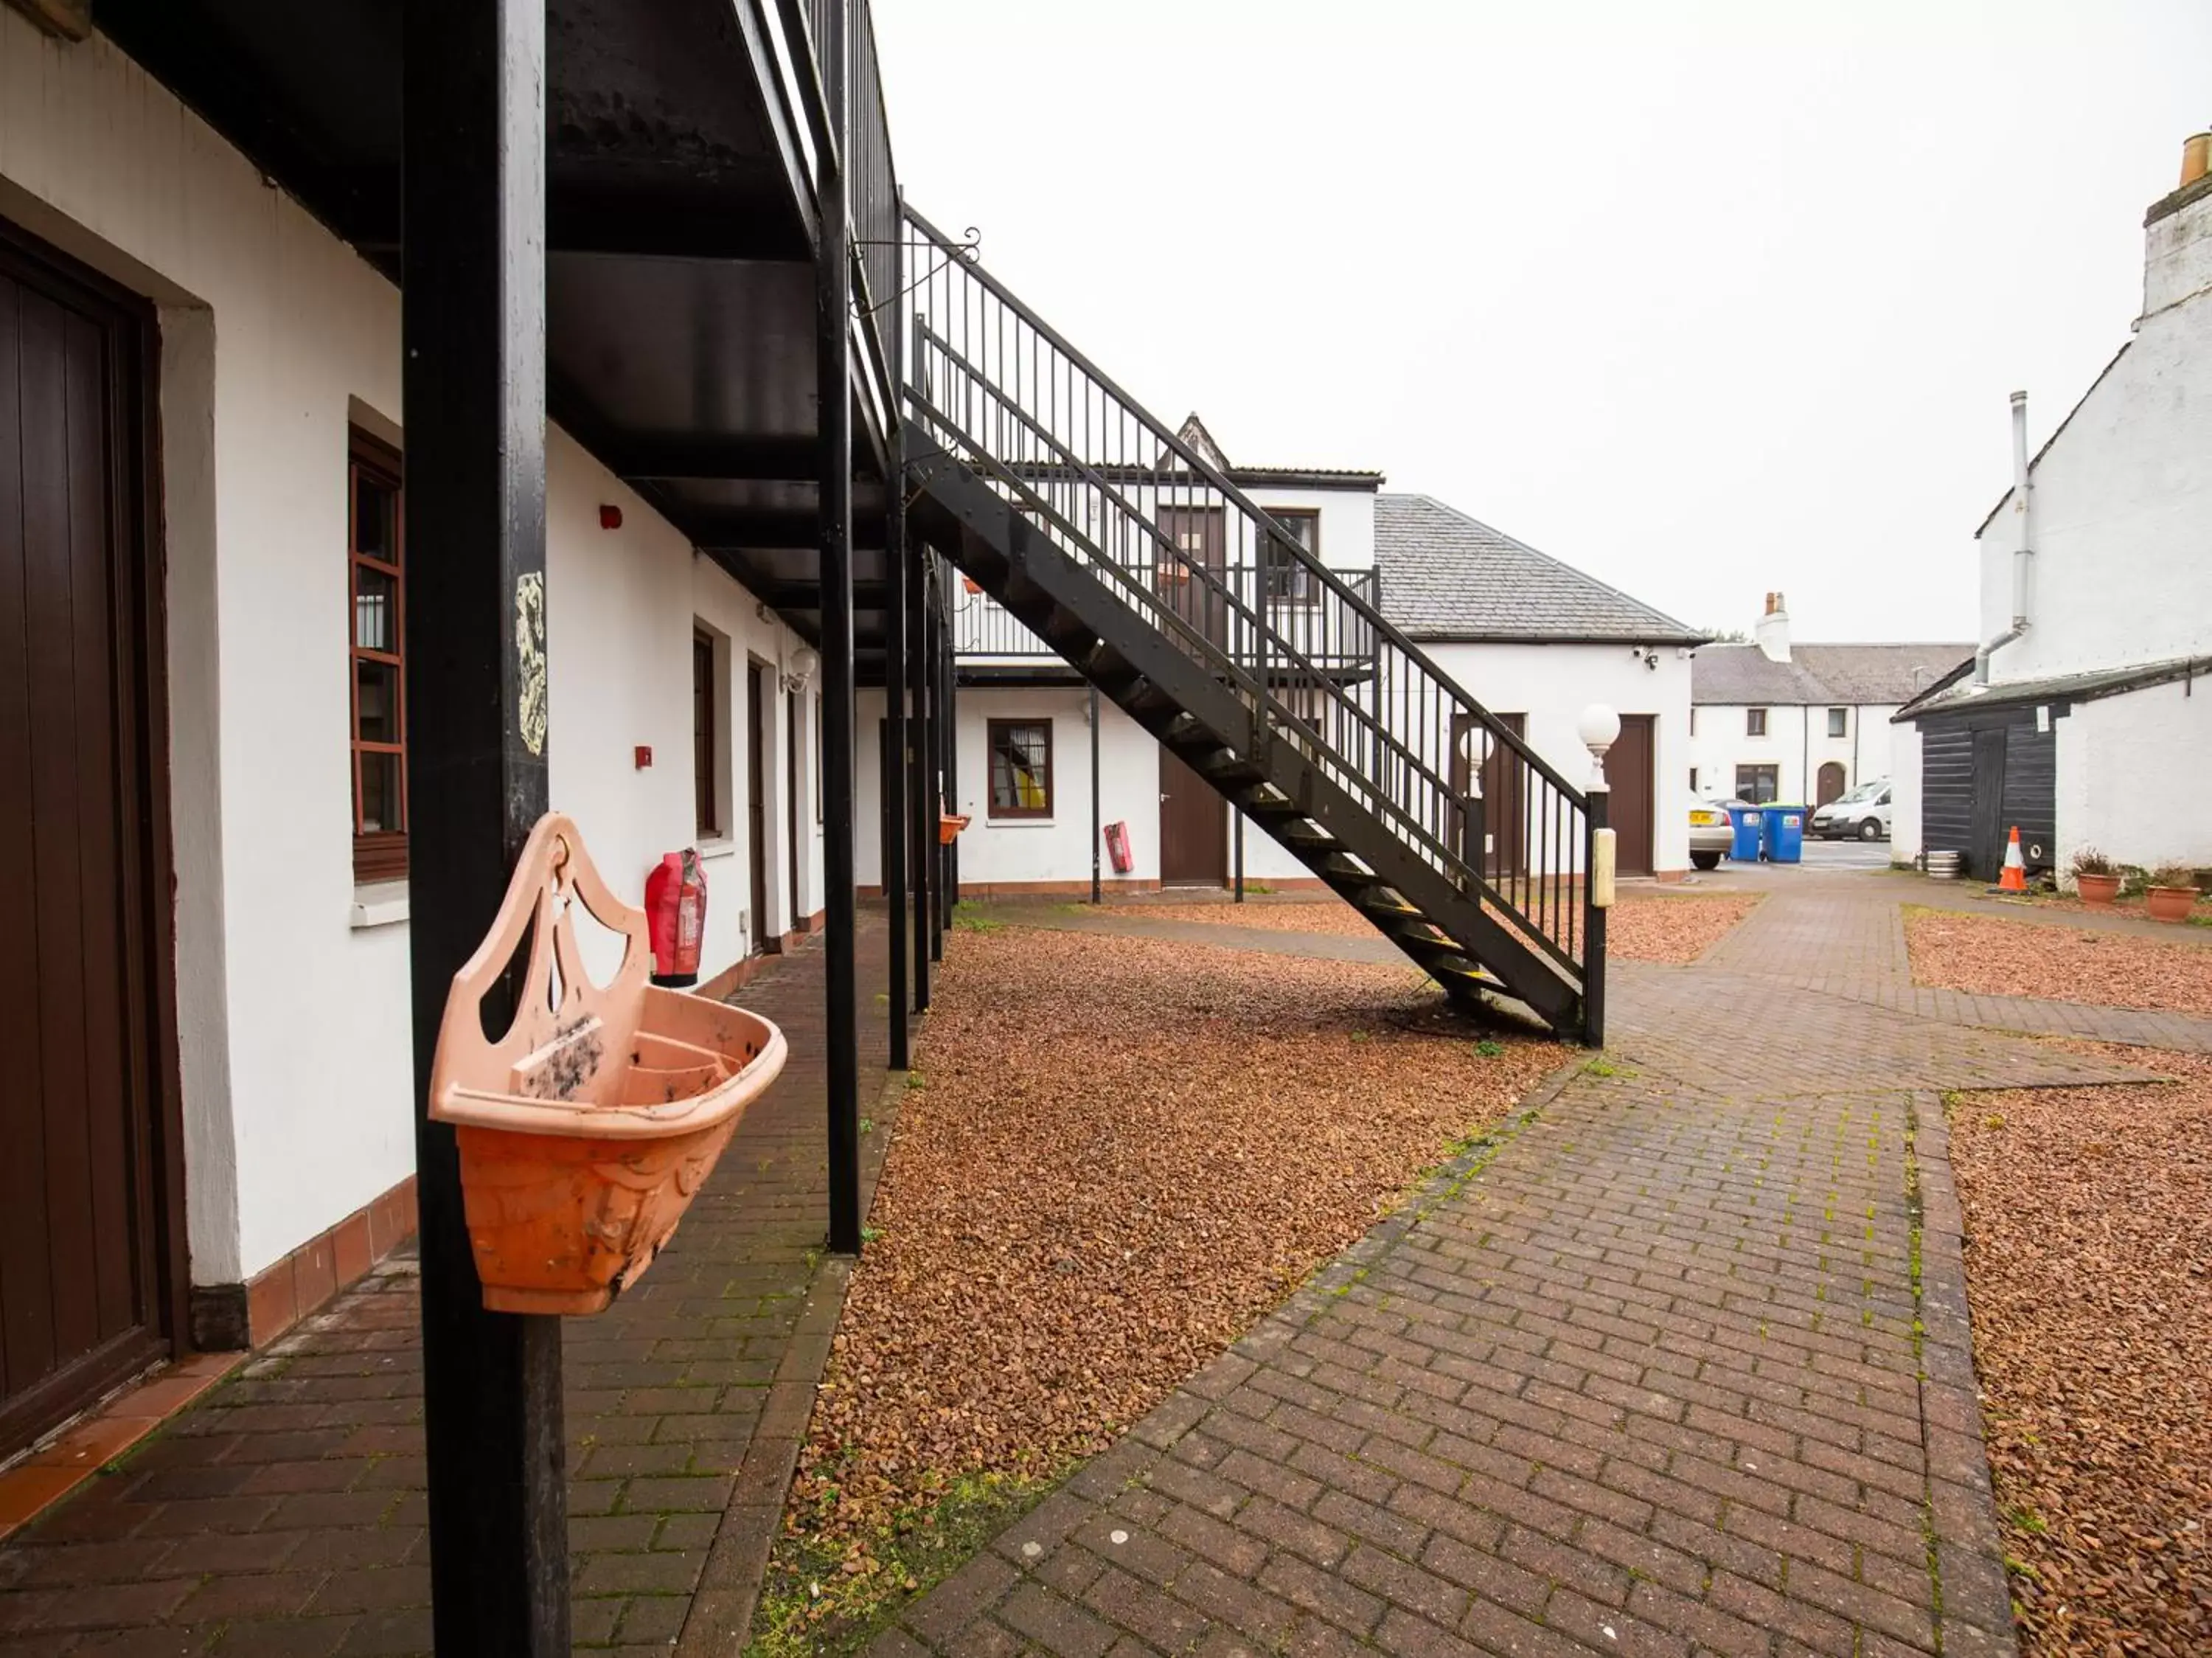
(759, 676)
(140, 684)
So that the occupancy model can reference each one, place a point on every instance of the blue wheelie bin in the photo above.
(1747, 821)
(1784, 839)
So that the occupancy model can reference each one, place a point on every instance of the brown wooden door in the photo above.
(1194, 828)
(1629, 775)
(756, 718)
(1189, 577)
(1503, 851)
(1831, 782)
(85, 1295)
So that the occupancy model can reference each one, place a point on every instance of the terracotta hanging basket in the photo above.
(949, 826)
(587, 1128)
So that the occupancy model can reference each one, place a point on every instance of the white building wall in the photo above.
(1552, 684)
(1796, 742)
(2132, 780)
(293, 1029)
(2123, 497)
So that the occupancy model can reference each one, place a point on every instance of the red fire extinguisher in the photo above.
(1117, 848)
(676, 909)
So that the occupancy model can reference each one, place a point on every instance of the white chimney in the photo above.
(2177, 234)
(1773, 634)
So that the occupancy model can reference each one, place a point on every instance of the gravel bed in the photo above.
(1990, 955)
(2089, 1274)
(1121, 1152)
(1644, 927)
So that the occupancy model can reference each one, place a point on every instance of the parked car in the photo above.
(1713, 831)
(1862, 814)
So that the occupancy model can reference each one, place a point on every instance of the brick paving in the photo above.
(1679, 1364)
(285, 1515)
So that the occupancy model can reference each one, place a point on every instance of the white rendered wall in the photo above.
(2123, 497)
(1905, 799)
(294, 1030)
(1796, 742)
(1552, 684)
(2132, 780)
(1030, 851)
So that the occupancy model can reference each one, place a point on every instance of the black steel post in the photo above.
(1593, 929)
(1238, 842)
(924, 827)
(1098, 826)
(933, 764)
(472, 325)
(946, 674)
(894, 859)
(833, 333)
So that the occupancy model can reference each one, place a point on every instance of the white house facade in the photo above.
(1802, 723)
(2083, 718)
(274, 683)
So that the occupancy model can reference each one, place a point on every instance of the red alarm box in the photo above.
(1117, 848)
(676, 910)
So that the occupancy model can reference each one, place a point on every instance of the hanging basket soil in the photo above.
(2098, 890)
(2169, 903)
(587, 1128)
(949, 827)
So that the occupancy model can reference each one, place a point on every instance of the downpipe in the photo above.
(2023, 544)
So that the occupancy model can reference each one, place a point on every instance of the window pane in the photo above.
(376, 711)
(1020, 768)
(1836, 718)
(375, 518)
(380, 794)
(375, 610)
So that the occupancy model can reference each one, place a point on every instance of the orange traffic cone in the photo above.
(2014, 879)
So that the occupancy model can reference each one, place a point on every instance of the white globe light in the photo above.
(1599, 727)
(804, 661)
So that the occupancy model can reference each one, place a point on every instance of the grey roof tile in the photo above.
(1821, 673)
(1446, 575)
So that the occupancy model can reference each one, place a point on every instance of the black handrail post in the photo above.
(472, 327)
(895, 859)
(833, 329)
(933, 625)
(1597, 798)
(950, 738)
(1097, 827)
(924, 827)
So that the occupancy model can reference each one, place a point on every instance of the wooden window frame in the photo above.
(381, 854)
(1017, 813)
(1839, 723)
(1304, 586)
(1754, 721)
(1752, 793)
(706, 750)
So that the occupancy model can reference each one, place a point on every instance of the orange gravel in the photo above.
(1644, 927)
(1989, 956)
(1123, 1151)
(2089, 1273)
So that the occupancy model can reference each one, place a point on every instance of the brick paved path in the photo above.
(285, 1515)
(1682, 1365)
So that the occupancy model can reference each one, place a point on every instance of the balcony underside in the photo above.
(680, 230)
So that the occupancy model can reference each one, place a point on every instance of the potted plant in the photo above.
(2171, 893)
(2095, 878)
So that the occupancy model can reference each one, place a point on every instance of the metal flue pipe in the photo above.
(2023, 543)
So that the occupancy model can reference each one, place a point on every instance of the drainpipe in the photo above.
(2023, 547)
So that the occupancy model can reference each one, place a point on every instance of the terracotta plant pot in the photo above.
(949, 826)
(2169, 903)
(2098, 890)
(587, 1128)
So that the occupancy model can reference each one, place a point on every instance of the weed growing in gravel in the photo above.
(830, 1598)
(1489, 1048)
(1602, 1067)
(966, 918)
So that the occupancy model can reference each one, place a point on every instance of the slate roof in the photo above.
(1834, 674)
(2086, 686)
(1446, 575)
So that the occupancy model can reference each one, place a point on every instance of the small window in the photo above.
(1693, 779)
(1754, 721)
(376, 648)
(1021, 768)
(705, 766)
(1838, 719)
(1290, 579)
(1693, 719)
(1757, 784)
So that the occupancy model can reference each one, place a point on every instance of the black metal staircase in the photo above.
(1112, 539)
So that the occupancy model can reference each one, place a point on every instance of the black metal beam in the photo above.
(893, 855)
(807, 595)
(833, 324)
(922, 829)
(685, 458)
(767, 531)
(473, 349)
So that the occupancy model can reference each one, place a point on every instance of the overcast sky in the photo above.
(1704, 298)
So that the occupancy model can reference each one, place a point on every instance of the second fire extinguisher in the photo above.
(675, 908)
